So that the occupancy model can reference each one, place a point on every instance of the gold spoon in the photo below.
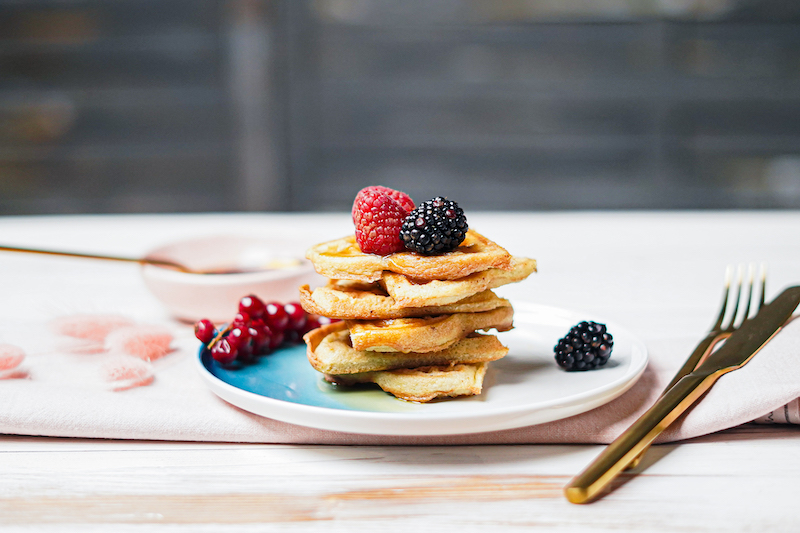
(142, 261)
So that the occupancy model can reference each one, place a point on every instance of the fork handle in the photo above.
(695, 359)
(615, 458)
(701, 350)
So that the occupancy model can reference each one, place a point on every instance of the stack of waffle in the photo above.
(410, 323)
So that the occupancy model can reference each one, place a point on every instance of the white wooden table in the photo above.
(657, 273)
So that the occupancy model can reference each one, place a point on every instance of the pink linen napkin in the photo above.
(59, 391)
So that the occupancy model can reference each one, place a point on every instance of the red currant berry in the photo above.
(312, 322)
(205, 331)
(242, 339)
(239, 336)
(246, 353)
(223, 352)
(297, 316)
(292, 336)
(241, 319)
(324, 320)
(275, 340)
(252, 305)
(253, 342)
(262, 337)
(275, 316)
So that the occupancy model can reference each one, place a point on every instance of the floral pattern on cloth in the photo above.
(112, 352)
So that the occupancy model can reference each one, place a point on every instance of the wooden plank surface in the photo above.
(739, 480)
(661, 278)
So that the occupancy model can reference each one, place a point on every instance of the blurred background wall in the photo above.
(293, 105)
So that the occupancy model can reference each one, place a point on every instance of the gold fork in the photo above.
(728, 321)
(736, 316)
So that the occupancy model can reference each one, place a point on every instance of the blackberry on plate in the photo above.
(434, 227)
(587, 346)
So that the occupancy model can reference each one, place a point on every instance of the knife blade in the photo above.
(738, 349)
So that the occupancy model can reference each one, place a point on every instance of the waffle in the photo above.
(330, 352)
(425, 334)
(411, 321)
(422, 384)
(368, 301)
(342, 259)
(413, 293)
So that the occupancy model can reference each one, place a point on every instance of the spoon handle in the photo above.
(141, 261)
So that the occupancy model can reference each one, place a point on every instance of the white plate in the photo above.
(524, 388)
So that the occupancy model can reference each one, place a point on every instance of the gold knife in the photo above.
(740, 347)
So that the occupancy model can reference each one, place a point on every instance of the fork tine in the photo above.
(763, 286)
(755, 288)
(726, 296)
(734, 312)
(751, 288)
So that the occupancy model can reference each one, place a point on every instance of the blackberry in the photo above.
(587, 346)
(434, 227)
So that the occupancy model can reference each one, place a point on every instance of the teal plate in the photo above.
(526, 387)
(286, 375)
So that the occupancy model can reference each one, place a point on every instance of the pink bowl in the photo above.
(191, 297)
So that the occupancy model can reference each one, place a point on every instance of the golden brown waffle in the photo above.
(342, 259)
(413, 293)
(368, 301)
(426, 334)
(330, 352)
(423, 384)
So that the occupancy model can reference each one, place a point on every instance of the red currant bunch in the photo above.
(257, 329)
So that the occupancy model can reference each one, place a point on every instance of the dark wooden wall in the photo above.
(209, 105)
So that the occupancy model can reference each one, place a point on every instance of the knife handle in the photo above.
(703, 348)
(615, 458)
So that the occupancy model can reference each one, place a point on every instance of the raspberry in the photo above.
(378, 217)
(400, 197)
